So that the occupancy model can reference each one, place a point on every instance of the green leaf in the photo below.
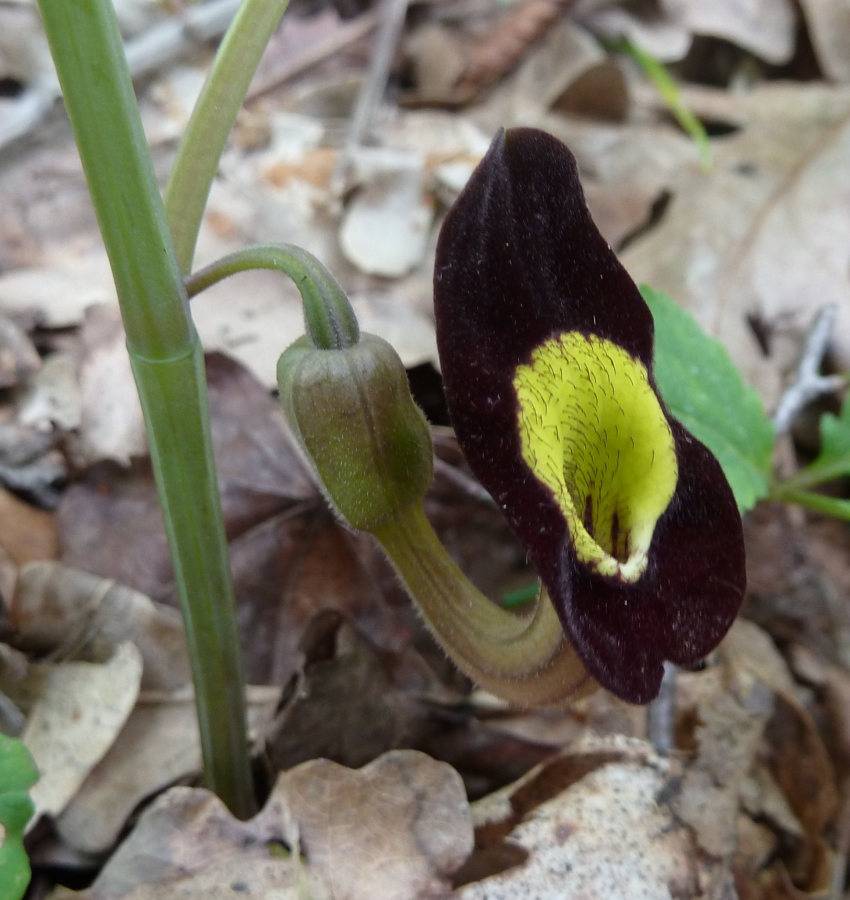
(17, 774)
(833, 461)
(707, 394)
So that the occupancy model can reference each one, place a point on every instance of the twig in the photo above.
(392, 21)
(461, 480)
(661, 714)
(161, 44)
(809, 383)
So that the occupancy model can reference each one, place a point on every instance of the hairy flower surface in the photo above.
(546, 347)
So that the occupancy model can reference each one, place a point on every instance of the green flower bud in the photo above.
(357, 424)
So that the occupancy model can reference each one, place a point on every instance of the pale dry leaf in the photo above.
(76, 721)
(385, 229)
(606, 835)
(727, 739)
(765, 27)
(57, 608)
(111, 423)
(60, 291)
(665, 39)
(748, 648)
(19, 360)
(53, 397)
(159, 745)
(24, 55)
(765, 236)
(175, 840)
(829, 28)
(393, 830)
(569, 71)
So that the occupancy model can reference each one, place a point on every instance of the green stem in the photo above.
(331, 323)
(525, 660)
(168, 365)
(212, 120)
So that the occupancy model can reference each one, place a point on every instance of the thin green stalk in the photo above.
(212, 120)
(331, 323)
(168, 365)
(830, 506)
(670, 94)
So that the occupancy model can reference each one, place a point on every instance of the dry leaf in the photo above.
(385, 229)
(587, 824)
(26, 533)
(64, 611)
(829, 28)
(110, 523)
(19, 360)
(111, 425)
(765, 27)
(76, 721)
(159, 745)
(394, 830)
(345, 707)
(765, 236)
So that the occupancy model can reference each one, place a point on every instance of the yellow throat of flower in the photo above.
(592, 430)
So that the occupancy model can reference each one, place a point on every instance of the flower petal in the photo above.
(546, 347)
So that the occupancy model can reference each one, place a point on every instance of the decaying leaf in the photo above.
(62, 610)
(82, 710)
(158, 745)
(345, 707)
(764, 239)
(394, 830)
(592, 822)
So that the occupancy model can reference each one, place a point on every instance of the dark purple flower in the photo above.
(546, 347)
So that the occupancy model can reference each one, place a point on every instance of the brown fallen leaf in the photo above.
(66, 612)
(26, 533)
(394, 830)
(158, 746)
(344, 707)
(829, 28)
(109, 521)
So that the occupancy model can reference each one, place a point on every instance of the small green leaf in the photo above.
(833, 461)
(17, 774)
(706, 393)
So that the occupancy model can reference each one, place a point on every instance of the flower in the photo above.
(546, 348)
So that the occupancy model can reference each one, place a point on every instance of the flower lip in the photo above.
(520, 267)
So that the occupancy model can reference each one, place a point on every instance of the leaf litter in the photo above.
(348, 690)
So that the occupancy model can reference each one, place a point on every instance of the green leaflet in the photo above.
(833, 461)
(706, 393)
(17, 774)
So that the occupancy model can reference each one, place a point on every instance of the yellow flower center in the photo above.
(592, 430)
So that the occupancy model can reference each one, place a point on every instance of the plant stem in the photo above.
(212, 119)
(331, 323)
(167, 362)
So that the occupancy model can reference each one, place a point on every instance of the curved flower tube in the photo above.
(546, 347)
